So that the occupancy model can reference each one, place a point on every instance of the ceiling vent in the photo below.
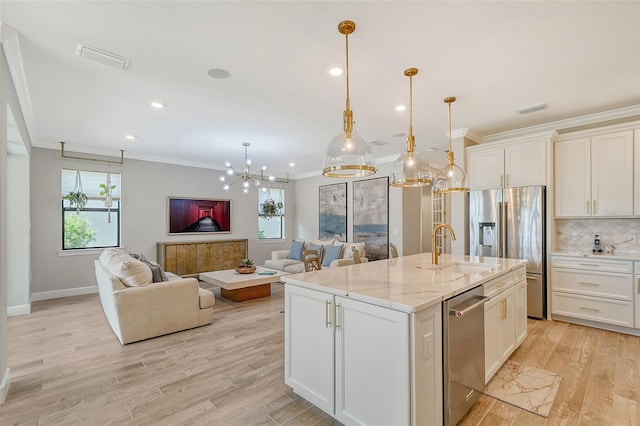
(532, 108)
(102, 56)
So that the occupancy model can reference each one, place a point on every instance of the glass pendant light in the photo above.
(410, 169)
(348, 155)
(451, 178)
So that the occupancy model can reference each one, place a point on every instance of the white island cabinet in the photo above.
(364, 342)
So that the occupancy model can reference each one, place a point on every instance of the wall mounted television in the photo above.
(198, 215)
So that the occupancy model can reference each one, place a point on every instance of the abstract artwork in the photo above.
(333, 211)
(371, 216)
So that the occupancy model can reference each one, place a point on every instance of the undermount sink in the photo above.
(464, 268)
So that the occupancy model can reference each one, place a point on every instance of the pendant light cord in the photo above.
(348, 101)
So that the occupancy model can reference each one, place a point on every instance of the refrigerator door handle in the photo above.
(504, 229)
(500, 230)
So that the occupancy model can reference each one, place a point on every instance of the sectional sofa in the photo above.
(333, 254)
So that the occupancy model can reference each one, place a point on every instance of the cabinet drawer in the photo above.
(598, 284)
(499, 284)
(609, 311)
(592, 264)
(519, 274)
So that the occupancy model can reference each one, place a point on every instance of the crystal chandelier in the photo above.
(246, 177)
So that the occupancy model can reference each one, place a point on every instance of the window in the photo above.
(90, 226)
(271, 227)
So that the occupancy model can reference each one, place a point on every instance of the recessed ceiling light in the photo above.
(219, 73)
(292, 164)
(532, 108)
(156, 104)
(131, 137)
(335, 71)
(400, 107)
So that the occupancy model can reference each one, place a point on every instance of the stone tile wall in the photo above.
(578, 234)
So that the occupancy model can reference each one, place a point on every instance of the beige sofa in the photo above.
(280, 258)
(138, 309)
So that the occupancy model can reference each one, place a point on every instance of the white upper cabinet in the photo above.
(636, 174)
(512, 165)
(594, 176)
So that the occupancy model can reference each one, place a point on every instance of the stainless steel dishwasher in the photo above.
(463, 352)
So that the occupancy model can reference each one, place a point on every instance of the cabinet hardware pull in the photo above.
(327, 321)
(507, 181)
(501, 180)
(506, 311)
(595, 207)
(585, 283)
(335, 314)
(501, 285)
(589, 309)
(587, 208)
(531, 277)
(638, 285)
(588, 264)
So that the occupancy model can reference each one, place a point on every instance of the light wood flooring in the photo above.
(68, 368)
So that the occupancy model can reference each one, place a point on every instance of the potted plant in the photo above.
(271, 208)
(106, 192)
(77, 199)
(246, 266)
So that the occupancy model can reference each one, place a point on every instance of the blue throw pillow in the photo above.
(331, 253)
(296, 250)
(317, 247)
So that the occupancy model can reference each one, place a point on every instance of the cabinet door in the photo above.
(572, 177)
(521, 312)
(309, 345)
(372, 364)
(612, 174)
(485, 168)
(491, 357)
(506, 324)
(525, 164)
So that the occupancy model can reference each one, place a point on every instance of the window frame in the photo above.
(281, 217)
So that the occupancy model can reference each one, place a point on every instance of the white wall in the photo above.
(19, 233)
(5, 82)
(307, 204)
(145, 188)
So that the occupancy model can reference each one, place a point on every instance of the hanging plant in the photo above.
(106, 191)
(77, 198)
(271, 208)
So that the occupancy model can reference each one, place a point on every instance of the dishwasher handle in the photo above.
(459, 314)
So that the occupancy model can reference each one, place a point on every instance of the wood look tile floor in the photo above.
(68, 368)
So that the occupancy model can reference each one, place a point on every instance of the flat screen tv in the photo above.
(198, 215)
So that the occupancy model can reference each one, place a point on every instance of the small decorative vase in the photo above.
(245, 270)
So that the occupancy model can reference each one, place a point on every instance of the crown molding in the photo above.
(569, 123)
(464, 133)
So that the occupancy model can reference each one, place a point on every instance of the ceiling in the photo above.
(578, 57)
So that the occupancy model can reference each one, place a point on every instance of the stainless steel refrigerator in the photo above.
(510, 222)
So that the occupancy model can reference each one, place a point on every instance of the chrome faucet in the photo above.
(436, 250)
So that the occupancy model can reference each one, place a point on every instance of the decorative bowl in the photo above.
(244, 270)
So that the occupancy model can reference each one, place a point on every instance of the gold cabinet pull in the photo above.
(335, 314)
(587, 283)
(587, 208)
(589, 309)
(595, 207)
(327, 320)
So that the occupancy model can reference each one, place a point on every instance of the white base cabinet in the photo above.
(363, 364)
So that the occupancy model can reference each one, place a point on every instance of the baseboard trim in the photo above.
(14, 311)
(4, 385)
(56, 294)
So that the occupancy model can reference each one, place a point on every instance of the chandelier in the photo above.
(246, 177)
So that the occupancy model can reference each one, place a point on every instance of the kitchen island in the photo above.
(364, 342)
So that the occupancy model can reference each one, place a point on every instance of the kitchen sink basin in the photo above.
(464, 268)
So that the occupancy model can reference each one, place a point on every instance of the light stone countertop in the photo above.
(408, 283)
(615, 255)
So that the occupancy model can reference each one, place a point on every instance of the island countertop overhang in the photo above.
(409, 283)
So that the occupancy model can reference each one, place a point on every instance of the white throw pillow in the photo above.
(346, 250)
(132, 272)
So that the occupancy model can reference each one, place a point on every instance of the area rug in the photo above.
(529, 388)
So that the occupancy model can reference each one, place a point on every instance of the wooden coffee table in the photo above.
(239, 287)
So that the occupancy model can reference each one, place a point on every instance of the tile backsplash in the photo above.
(577, 234)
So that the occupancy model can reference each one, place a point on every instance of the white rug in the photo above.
(529, 388)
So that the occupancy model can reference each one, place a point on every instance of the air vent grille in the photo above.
(102, 56)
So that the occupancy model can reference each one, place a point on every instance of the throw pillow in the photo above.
(331, 253)
(296, 250)
(316, 247)
(132, 272)
(156, 271)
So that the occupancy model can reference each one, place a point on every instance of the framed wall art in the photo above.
(371, 216)
(198, 215)
(333, 211)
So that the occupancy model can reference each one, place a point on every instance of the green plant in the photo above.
(77, 199)
(271, 208)
(246, 263)
(78, 232)
(106, 190)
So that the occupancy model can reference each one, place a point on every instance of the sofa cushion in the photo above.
(346, 250)
(317, 247)
(296, 250)
(132, 272)
(331, 253)
(157, 272)
(280, 264)
(206, 298)
(295, 268)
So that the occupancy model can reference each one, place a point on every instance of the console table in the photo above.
(190, 258)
